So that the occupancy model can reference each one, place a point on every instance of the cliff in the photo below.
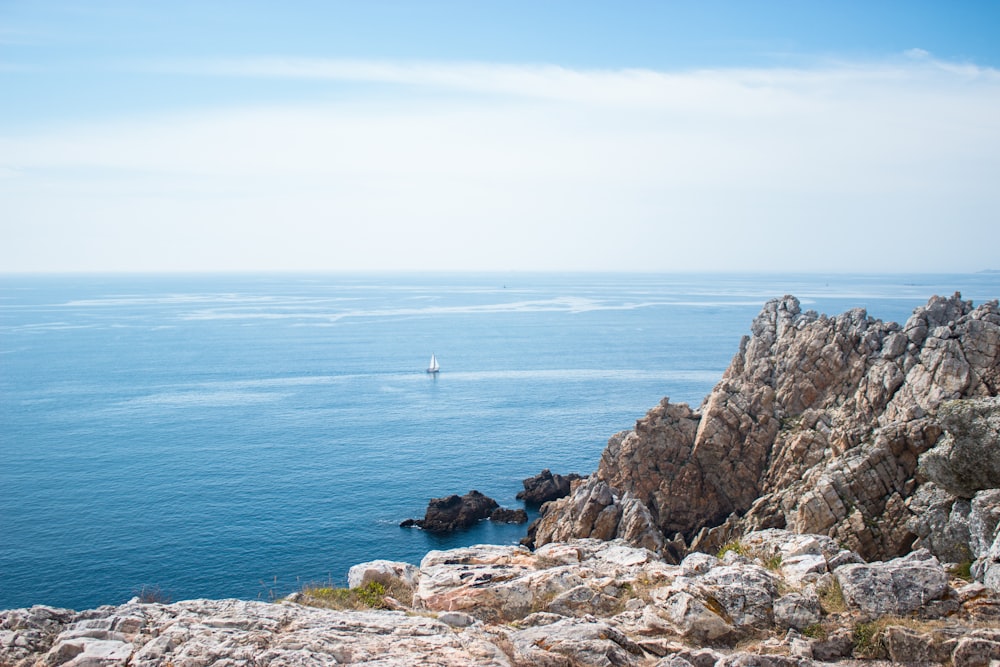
(819, 426)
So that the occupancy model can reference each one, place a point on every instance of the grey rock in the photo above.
(989, 565)
(897, 587)
(981, 647)
(796, 610)
(967, 457)
(746, 592)
(907, 646)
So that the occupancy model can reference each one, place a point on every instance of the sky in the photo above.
(710, 135)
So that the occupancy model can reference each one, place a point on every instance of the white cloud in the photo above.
(483, 166)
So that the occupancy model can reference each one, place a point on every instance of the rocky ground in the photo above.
(773, 598)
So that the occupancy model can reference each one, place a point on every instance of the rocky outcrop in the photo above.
(454, 512)
(545, 486)
(774, 598)
(816, 426)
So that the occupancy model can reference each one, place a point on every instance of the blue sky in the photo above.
(659, 136)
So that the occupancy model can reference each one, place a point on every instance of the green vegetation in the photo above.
(831, 597)
(815, 631)
(370, 596)
(869, 640)
(735, 546)
(962, 570)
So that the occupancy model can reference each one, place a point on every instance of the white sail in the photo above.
(434, 367)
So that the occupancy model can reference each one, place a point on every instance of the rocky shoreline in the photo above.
(774, 598)
(835, 499)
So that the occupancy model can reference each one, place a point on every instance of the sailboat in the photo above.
(434, 367)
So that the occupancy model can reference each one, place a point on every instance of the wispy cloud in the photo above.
(645, 88)
(509, 166)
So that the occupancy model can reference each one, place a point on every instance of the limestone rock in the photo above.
(236, 632)
(989, 566)
(907, 646)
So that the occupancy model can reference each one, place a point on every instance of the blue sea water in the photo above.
(239, 436)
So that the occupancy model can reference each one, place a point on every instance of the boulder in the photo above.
(385, 572)
(796, 610)
(545, 486)
(691, 617)
(454, 512)
(897, 587)
(981, 647)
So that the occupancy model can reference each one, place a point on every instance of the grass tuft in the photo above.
(372, 595)
(152, 595)
(831, 597)
(735, 546)
(962, 570)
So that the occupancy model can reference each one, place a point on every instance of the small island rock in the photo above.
(454, 512)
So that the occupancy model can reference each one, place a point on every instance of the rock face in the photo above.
(581, 603)
(816, 426)
(454, 512)
(545, 486)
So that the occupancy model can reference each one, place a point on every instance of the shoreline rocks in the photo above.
(454, 512)
(770, 599)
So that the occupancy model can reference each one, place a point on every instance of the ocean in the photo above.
(244, 435)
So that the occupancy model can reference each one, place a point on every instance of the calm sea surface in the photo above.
(238, 436)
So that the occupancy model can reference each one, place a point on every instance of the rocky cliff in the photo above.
(818, 425)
